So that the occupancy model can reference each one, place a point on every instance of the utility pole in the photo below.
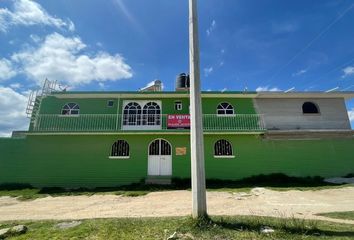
(199, 208)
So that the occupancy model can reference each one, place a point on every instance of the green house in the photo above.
(102, 139)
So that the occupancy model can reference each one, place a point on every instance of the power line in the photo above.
(332, 70)
(325, 30)
(345, 89)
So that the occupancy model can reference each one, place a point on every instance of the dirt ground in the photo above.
(263, 202)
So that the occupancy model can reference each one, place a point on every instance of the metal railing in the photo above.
(117, 122)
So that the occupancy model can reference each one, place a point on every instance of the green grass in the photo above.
(131, 193)
(339, 215)
(237, 227)
(22, 194)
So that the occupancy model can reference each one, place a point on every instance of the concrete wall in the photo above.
(286, 114)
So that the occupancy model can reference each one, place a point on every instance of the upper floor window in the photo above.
(132, 114)
(225, 109)
(310, 108)
(178, 105)
(120, 149)
(141, 115)
(70, 109)
(223, 148)
(110, 103)
(151, 114)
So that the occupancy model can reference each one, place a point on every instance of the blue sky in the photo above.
(123, 45)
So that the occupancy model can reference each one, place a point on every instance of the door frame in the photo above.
(148, 150)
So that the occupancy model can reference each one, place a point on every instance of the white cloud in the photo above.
(299, 73)
(211, 28)
(267, 89)
(16, 85)
(351, 115)
(35, 38)
(348, 71)
(61, 58)
(208, 71)
(12, 111)
(6, 69)
(29, 13)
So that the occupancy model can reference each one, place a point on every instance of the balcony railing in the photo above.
(117, 123)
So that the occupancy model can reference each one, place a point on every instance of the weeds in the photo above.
(279, 182)
(339, 215)
(236, 227)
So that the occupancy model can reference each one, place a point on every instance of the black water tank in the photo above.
(182, 81)
(187, 82)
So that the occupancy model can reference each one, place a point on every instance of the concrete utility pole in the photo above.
(199, 208)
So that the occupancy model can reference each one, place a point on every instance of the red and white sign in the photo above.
(182, 121)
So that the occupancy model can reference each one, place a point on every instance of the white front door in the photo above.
(160, 158)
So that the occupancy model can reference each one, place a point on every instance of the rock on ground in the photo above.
(339, 180)
(173, 236)
(19, 229)
(4, 233)
(16, 230)
(66, 225)
(266, 229)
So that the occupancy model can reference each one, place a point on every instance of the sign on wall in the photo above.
(180, 151)
(178, 121)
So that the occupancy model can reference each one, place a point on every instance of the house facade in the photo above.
(102, 139)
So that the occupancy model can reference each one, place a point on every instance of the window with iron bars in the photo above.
(223, 148)
(120, 149)
(149, 115)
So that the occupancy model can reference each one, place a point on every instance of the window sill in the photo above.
(142, 127)
(225, 115)
(69, 115)
(119, 157)
(311, 114)
(226, 156)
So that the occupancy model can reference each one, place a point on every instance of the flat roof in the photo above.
(206, 94)
(337, 94)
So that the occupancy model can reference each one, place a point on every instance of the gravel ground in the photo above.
(262, 202)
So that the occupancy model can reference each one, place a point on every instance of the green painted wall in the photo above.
(241, 105)
(82, 161)
(106, 120)
(53, 105)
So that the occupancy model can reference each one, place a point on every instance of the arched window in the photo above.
(310, 108)
(132, 114)
(154, 148)
(151, 114)
(120, 149)
(70, 109)
(160, 147)
(225, 109)
(223, 148)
